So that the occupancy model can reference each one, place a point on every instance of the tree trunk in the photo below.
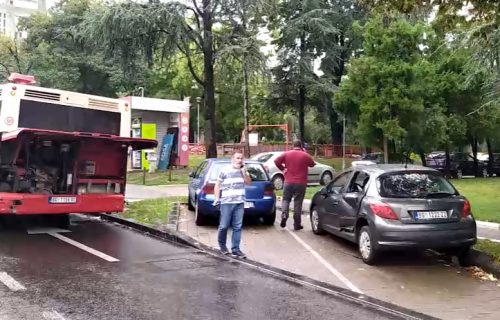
(422, 158)
(246, 104)
(386, 150)
(335, 127)
(490, 156)
(447, 162)
(474, 145)
(302, 106)
(209, 87)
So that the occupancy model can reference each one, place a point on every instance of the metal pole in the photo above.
(343, 143)
(198, 101)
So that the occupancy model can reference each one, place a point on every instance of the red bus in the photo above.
(62, 152)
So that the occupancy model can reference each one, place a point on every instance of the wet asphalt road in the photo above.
(152, 280)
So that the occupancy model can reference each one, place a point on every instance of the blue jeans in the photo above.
(230, 214)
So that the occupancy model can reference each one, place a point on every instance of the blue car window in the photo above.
(255, 170)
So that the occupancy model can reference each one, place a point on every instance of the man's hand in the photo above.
(216, 202)
(246, 176)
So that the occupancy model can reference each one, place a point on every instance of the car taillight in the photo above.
(269, 190)
(383, 210)
(466, 211)
(208, 188)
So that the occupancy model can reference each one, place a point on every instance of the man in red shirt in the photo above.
(295, 165)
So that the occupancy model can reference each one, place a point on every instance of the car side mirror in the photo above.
(191, 174)
(323, 192)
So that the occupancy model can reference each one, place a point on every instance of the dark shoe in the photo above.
(239, 254)
(283, 223)
(297, 228)
(224, 251)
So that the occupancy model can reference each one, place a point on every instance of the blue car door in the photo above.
(197, 181)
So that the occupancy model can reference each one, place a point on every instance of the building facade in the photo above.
(12, 10)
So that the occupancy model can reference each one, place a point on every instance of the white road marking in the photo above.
(52, 315)
(84, 247)
(494, 240)
(325, 263)
(46, 230)
(10, 282)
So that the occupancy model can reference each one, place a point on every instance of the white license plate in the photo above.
(427, 215)
(248, 205)
(57, 200)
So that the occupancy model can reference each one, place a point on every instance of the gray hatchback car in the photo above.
(382, 207)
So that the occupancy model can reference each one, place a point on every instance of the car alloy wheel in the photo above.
(315, 222)
(485, 173)
(278, 182)
(326, 178)
(459, 174)
(365, 246)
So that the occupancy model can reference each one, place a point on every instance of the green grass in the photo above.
(489, 247)
(152, 212)
(484, 196)
(336, 163)
(176, 176)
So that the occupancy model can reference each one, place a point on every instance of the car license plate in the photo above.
(57, 200)
(428, 215)
(248, 205)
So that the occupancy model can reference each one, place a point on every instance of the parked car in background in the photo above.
(320, 173)
(383, 207)
(260, 197)
(378, 158)
(461, 164)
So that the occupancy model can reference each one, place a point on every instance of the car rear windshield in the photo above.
(414, 185)
(255, 170)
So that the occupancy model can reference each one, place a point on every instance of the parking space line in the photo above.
(325, 263)
(84, 247)
(10, 282)
(52, 315)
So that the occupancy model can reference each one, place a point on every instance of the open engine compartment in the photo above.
(65, 164)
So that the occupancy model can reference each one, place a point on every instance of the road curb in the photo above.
(177, 237)
(489, 225)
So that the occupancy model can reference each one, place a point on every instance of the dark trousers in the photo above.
(297, 192)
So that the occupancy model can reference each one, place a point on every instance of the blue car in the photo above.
(260, 196)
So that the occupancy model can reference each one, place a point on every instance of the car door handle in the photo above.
(335, 202)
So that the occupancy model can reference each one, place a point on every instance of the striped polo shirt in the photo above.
(232, 185)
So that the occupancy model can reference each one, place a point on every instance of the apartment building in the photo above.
(12, 10)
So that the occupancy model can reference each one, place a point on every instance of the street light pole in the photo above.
(343, 142)
(198, 101)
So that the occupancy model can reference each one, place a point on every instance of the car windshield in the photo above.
(255, 170)
(414, 185)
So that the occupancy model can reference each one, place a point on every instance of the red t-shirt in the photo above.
(297, 163)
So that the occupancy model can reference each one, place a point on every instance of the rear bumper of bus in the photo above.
(24, 204)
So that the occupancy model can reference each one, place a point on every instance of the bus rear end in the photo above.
(51, 172)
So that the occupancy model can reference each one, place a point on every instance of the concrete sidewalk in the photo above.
(135, 192)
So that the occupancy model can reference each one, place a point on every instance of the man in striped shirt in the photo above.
(230, 194)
